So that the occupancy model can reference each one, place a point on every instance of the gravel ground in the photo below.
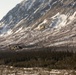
(6, 70)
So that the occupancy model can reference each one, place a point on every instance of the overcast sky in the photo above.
(6, 5)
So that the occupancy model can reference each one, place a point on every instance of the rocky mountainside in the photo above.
(40, 23)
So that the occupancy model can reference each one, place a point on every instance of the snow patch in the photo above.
(59, 43)
(18, 30)
(55, 15)
(1, 24)
(31, 5)
(71, 18)
(36, 10)
(10, 17)
(9, 32)
(45, 21)
(54, 2)
(59, 20)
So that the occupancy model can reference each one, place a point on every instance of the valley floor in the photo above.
(9, 70)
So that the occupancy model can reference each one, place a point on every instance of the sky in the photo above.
(6, 5)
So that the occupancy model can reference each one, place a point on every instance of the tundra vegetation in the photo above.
(49, 57)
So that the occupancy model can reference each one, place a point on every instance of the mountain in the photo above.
(40, 23)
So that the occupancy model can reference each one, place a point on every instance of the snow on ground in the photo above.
(36, 10)
(59, 20)
(72, 17)
(31, 4)
(2, 24)
(10, 17)
(65, 37)
(19, 30)
(9, 32)
(59, 43)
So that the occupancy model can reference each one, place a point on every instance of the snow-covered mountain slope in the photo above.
(41, 23)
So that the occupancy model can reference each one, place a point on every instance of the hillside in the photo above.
(40, 23)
